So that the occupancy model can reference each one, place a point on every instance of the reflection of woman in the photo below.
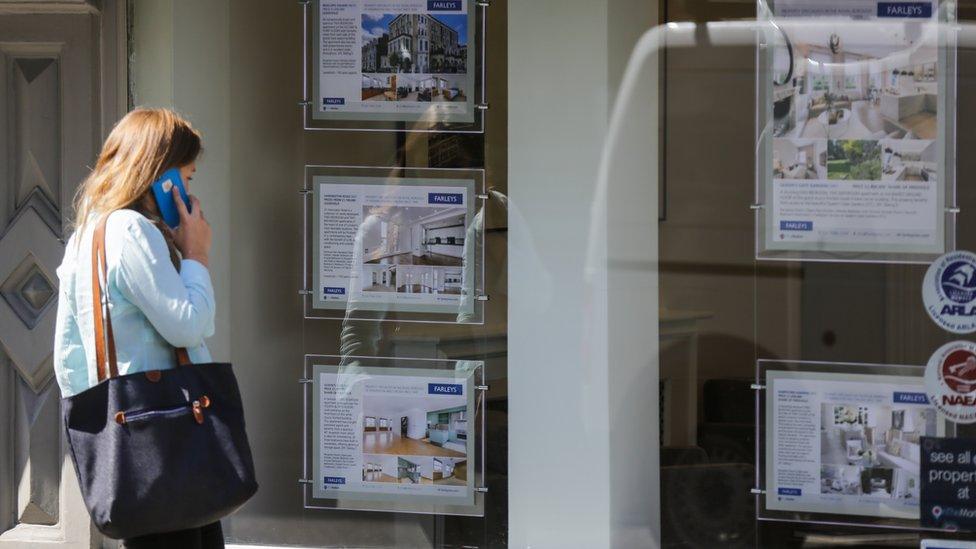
(158, 300)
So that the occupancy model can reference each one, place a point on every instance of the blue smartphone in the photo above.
(163, 191)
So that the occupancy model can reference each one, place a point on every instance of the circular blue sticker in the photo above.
(949, 292)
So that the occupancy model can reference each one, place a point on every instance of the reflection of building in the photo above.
(421, 43)
(375, 54)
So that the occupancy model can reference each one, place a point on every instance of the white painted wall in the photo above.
(181, 61)
(416, 423)
(583, 278)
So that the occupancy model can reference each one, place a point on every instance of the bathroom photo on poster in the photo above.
(846, 444)
(394, 434)
(854, 147)
(394, 244)
(397, 60)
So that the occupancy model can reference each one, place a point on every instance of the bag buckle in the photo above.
(198, 406)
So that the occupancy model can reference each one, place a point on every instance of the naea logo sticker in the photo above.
(949, 292)
(950, 380)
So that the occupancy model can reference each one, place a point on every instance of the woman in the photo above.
(158, 281)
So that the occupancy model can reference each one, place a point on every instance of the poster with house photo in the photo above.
(396, 60)
(846, 444)
(854, 145)
(394, 244)
(394, 434)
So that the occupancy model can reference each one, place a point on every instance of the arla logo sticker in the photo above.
(949, 292)
(905, 10)
(444, 389)
(950, 381)
(167, 186)
(445, 198)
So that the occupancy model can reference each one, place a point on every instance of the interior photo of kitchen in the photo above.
(428, 236)
(450, 471)
(861, 82)
(908, 160)
(433, 425)
(873, 449)
(795, 158)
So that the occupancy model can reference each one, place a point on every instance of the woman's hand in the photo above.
(193, 236)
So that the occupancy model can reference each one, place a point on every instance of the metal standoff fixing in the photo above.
(305, 103)
(304, 481)
(482, 106)
(304, 292)
(756, 206)
(482, 298)
(757, 387)
(757, 492)
(305, 381)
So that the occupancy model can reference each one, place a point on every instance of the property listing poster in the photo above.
(394, 60)
(846, 444)
(394, 435)
(394, 244)
(856, 159)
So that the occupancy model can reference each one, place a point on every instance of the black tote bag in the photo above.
(156, 451)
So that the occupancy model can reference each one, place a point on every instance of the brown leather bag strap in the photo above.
(107, 366)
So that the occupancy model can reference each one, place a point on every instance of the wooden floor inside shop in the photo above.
(428, 260)
(388, 443)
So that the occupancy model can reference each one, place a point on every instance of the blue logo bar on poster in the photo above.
(796, 225)
(335, 480)
(334, 101)
(901, 10)
(445, 198)
(790, 491)
(334, 291)
(443, 5)
(444, 389)
(911, 398)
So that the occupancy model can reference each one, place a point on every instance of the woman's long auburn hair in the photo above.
(143, 145)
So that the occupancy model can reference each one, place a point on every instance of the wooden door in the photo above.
(60, 90)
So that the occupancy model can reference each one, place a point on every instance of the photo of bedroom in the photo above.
(434, 425)
(860, 82)
(873, 449)
(799, 158)
(450, 471)
(908, 160)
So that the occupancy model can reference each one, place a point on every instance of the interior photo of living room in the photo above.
(434, 425)
(380, 468)
(859, 82)
(908, 160)
(873, 449)
(799, 158)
